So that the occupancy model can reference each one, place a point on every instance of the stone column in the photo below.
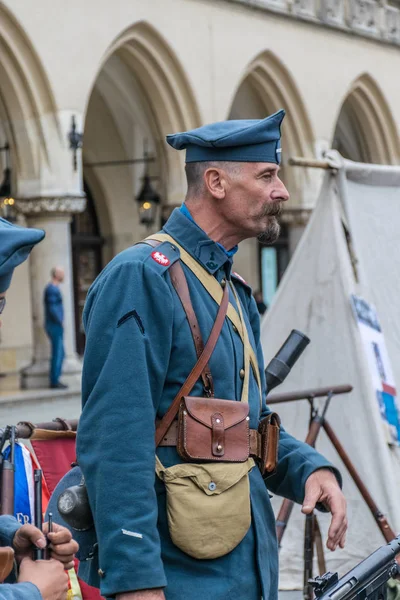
(54, 216)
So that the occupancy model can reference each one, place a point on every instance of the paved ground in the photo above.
(293, 595)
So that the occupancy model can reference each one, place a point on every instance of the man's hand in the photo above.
(25, 538)
(48, 576)
(62, 546)
(322, 486)
(156, 594)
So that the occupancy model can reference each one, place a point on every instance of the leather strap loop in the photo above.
(186, 388)
(218, 435)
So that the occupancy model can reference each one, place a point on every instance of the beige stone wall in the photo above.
(131, 72)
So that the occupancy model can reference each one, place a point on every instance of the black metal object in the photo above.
(38, 553)
(126, 161)
(148, 199)
(75, 141)
(367, 581)
(280, 366)
(8, 473)
(7, 202)
(74, 507)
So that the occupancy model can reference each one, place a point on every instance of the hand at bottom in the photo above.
(156, 594)
(48, 576)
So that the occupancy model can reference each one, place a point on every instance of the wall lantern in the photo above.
(148, 200)
(75, 142)
(7, 202)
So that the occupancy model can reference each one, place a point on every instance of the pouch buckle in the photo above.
(218, 434)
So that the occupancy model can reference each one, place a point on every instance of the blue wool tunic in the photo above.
(139, 351)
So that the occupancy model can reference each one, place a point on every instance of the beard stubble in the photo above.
(272, 231)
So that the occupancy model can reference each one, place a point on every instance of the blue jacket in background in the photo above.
(139, 351)
(14, 591)
(53, 305)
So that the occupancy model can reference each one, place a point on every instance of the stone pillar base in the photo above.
(36, 376)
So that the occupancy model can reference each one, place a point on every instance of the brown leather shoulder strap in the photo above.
(186, 388)
(179, 282)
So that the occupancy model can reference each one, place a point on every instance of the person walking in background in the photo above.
(54, 325)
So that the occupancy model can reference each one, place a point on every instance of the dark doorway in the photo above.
(87, 260)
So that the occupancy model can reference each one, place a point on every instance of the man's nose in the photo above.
(280, 192)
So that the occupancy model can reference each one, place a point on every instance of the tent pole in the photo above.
(299, 161)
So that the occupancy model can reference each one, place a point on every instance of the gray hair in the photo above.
(195, 173)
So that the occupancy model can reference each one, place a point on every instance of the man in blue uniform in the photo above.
(54, 325)
(139, 352)
(40, 580)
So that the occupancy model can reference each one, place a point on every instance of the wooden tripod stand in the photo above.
(312, 536)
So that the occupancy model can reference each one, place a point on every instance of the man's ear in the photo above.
(215, 182)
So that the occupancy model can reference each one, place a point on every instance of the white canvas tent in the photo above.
(314, 297)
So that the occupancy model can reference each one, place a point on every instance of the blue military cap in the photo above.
(15, 246)
(249, 140)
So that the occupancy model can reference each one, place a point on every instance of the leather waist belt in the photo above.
(171, 436)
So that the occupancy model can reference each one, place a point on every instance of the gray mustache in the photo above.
(273, 210)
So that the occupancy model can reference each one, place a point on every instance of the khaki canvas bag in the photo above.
(208, 506)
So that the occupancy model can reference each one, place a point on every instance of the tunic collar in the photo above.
(195, 241)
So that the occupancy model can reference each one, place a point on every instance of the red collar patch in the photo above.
(239, 277)
(160, 258)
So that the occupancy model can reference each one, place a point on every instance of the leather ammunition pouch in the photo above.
(269, 434)
(213, 430)
(263, 444)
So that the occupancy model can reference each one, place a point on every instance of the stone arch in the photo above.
(26, 100)
(167, 97)
(272, 87)
(276, 89)
(365, 130)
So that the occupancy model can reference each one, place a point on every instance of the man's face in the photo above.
(253, 200)
(60, 275)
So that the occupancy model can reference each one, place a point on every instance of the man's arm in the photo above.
(19, 591)
(128, 322)
(8, 528)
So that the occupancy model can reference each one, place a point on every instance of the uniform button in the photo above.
(212, 486)
(241, 373)
(101, 573)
